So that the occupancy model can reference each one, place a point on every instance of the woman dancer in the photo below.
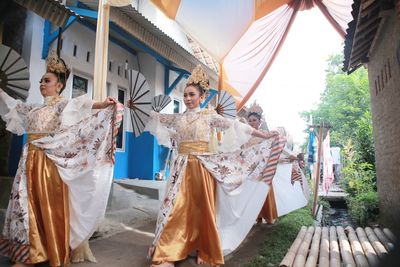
(204, 177)
(65, 171)
(268, 211)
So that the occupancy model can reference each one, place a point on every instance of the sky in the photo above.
(297, 77)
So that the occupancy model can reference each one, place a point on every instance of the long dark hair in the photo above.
(258, 116)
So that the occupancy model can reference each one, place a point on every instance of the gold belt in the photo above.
(33, 137)
(190, 147)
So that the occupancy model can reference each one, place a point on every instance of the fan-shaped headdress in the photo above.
(199, 77)
(57, 65)
(255, 109)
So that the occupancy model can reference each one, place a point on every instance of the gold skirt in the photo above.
(191, 225)
(268, 210)
(48, 209)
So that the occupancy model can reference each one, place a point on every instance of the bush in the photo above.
(363, 208)
(359, 182)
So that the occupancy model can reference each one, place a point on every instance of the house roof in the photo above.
(52, 10)
(361, 33)
(133, 22)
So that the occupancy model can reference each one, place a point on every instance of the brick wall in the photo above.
(384, 79)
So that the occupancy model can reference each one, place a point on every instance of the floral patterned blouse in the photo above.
(55, 113)
(197, 125)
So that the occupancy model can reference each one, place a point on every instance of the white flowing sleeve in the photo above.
(14, 113)
(162, 127)
(74, 110)
(235, 134)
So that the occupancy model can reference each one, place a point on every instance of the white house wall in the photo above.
(84, 38)
(168, 26)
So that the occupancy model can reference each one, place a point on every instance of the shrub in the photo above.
(359, 182)
(363, 208)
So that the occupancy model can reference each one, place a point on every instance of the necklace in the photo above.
(52, 100)
(191, 117)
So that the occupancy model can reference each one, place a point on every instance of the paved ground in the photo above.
(129, 248)
(127, 232)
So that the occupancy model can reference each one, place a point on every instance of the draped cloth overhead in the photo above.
(245, 36)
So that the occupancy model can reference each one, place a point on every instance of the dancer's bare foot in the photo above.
(164, 264)
(82, 253)
(200, 260)
(20, 264)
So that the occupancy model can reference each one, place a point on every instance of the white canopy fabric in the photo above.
(244, 36)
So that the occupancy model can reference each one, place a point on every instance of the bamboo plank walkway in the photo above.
(336, 247)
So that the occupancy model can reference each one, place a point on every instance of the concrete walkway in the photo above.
(128, 229)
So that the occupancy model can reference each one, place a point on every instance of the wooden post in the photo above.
(370, 253)
(317, 177)
(101, 52)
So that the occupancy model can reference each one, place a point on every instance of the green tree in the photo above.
(345, 105)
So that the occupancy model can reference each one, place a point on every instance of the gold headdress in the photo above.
(57, 66)
(199, 77)
(255, 108)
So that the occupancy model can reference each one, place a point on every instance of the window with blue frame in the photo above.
(120, 136)
(79, 86)
(177, 106)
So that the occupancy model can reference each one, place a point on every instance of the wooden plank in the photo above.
(384, 240)
(358, 252)
(345, 248)
(376, 244)
(390, 235)
(369, 251)
(334, 248)
(291, 254)
(301, 255)
(324, 250)
(312, 258)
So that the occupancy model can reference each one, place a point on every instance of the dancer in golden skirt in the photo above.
(203, 175)
(43, 199)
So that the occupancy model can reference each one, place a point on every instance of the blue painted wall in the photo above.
(17, 143)
(142, 158)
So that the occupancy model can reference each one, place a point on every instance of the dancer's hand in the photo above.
(129, 104)
(107, 102)
(271, 134)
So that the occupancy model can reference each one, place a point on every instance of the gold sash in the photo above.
(33, 137)
(190, 147)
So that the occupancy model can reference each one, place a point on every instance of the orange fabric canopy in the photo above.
(244, 36)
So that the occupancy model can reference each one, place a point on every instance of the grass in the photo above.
(279, 240)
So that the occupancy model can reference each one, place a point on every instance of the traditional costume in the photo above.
(214, 193)
(288, 195)
(61, 188)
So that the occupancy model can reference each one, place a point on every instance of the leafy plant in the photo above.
(281, 238)
(360, 184)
